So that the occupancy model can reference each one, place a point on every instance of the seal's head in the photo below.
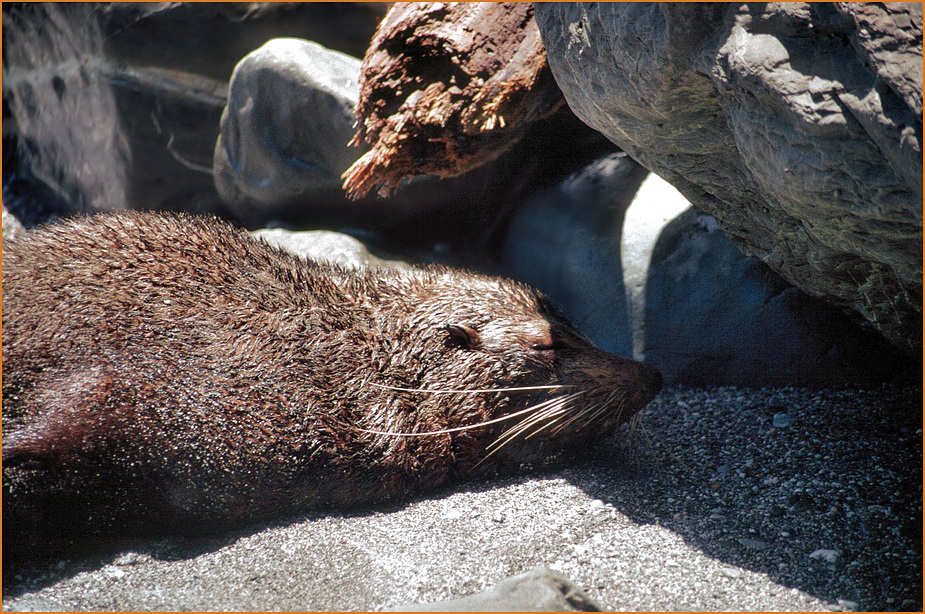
(497, 353)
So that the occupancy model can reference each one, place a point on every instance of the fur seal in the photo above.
(166, 373)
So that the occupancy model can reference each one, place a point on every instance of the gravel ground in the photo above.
(725, 498)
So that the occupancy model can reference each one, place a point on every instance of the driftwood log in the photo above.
(446, 87)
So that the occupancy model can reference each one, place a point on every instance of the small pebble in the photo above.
(830, 556)
(752, 543)
(848, 605)
(114, 572)
(781, 421)
(731, 572)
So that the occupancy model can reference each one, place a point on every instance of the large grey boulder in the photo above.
(327, 245)
(646, 275)
(292, 143)
(797, 126)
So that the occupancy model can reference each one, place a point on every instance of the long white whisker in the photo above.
(549, 425)
(634, 423)
(589, 414)
(609, 405)
(526, 425)
(560, 423)
(556, 408)
(542, 411)
(580, 414)
(552, 410)
(457, 429)
(478, 390)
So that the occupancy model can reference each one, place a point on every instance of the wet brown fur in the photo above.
(170, 373)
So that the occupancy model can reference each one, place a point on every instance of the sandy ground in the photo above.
(726, 498)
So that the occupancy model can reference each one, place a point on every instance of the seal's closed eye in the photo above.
(462, 336)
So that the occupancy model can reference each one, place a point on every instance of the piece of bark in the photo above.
(446, 87)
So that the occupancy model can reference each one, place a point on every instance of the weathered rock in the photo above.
(61, 123)
(210, 39)
(12, 227)
(797, 126)
(113, 106)
(715, 317)
(285, 132)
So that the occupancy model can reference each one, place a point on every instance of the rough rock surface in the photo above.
(714, 316)
(797, 126)
(538, 590)
(327, 245)
(12, 227)
(285, 130)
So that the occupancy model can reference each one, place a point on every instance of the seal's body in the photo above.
(169, 373)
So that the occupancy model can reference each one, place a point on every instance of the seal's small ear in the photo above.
(462, 336)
